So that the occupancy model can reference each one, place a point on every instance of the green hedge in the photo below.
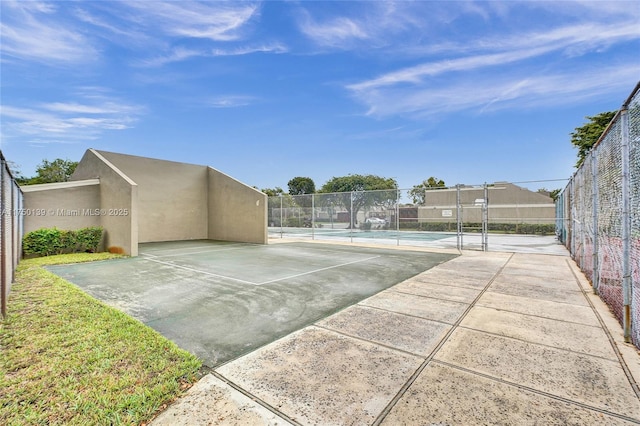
(504, 228)
(50, 241)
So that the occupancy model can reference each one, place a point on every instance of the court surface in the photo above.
(221, 300)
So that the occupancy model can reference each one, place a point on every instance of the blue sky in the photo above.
(466, 91)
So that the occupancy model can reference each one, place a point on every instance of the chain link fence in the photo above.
(459, 217)
(599, 216)
(11, 229)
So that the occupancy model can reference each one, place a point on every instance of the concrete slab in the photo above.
(448, 278)
(574, 337)
(212, 401)
(443, 395)
(465, 270)
(485, 260)
(318, 377)
(556, 273)
(536, 288)
(438, 291)
(538, 307)
(415, 335)
(525, 260)
(419, 306)
(597, 382)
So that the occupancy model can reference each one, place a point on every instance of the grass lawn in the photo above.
(66, 358)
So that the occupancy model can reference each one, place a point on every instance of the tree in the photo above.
(273, 192)
(418, 192)
(586, 136)
(348, 191)
(301, 185)
(553, 193)
(58, 170)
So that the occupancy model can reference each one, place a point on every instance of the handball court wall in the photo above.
(138, 199)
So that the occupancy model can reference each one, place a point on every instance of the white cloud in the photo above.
(174, 55)
(247, 50)
(337, 32)
(70, 121)
(537, 67)
(416, 73)
(230, 101)
(496, 92)
(30, 31)
(219, 21)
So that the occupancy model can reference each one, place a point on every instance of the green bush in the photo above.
(503, 228)
(47, 242)
(43, 242)
(88, 239)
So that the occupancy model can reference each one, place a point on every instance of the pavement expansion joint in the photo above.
(537, 391)
(439, 346)
(503, 336)
(536, 316)
(402, 313)
(254, 398)
(351, 336)
(426, 297)
(510, 295)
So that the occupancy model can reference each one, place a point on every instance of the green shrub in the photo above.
(293, 222)
(50, 241)
(43, 242)
(88, 239)
(503, 228)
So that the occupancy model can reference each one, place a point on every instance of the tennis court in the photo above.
(221, 300)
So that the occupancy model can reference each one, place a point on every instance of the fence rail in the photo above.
(599, 216)
(11, 230)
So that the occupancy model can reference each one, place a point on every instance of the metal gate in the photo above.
(472, 218)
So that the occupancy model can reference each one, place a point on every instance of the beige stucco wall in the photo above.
(66, 205)
(142, 199)
(172, 197)
(118, 201)
(523, 213)
(237, 212)
(508, 203)
(499, 194)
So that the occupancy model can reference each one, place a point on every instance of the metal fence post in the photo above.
(281, 229)
(594, 180)
(3, 248)
(398, 216)
(626, 224)
(351, 218)
(313, 217)
(458, 219)
(485, 219)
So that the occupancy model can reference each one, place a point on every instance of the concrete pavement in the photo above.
(486, 338)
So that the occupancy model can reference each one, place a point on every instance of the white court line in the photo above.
(191, 248)
(319, 270)
(147, 257)
(199, 271)
(235, 247)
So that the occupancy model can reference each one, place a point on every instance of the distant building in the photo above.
(507, 203)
